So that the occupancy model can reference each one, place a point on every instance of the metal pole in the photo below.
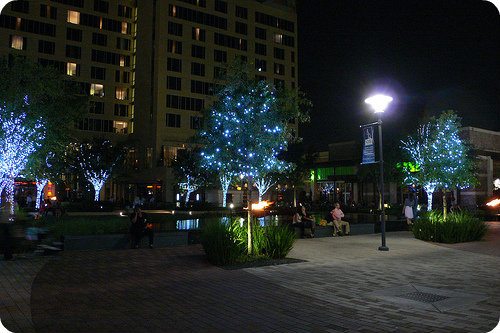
(381, 162)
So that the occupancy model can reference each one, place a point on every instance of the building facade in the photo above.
(150, 66)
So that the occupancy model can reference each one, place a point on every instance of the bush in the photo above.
(278, 241)
(85, 225)
(258, 240)
(458, 227)
(224, 243)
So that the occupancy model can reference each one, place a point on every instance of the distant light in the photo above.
(53, 198)
(231, 205)
(496, 183)
(379, 102)
(493, 203)
(190, 213)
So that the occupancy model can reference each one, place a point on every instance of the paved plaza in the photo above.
(345, 285)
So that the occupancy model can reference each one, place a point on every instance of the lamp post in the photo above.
(379, 104)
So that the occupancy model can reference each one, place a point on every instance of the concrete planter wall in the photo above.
(122, 241)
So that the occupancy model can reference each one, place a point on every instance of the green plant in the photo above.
(278, 241)
(258, 240)
(224, 243)
(456, 228)
(84, 225)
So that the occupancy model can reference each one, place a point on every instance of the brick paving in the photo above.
(338, 289)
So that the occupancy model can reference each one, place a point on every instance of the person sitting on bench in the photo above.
(140, 228)
(337, 215)
(302, 220)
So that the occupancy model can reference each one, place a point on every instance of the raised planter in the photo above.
(122, 241)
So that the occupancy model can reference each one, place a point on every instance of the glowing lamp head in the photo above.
(379, 102)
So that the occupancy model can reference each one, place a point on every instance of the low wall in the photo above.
(122, 241)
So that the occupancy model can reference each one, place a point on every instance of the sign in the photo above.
(368, 145)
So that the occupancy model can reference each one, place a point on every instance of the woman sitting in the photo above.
(303, 221)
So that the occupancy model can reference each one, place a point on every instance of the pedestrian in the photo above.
(408, 209)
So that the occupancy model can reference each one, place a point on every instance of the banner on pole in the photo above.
(368, 145)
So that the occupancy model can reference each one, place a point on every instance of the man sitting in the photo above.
(337, 215)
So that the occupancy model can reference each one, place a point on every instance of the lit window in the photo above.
(100, 23)
(17, 42)
(122, 61)
(18, 23)
(71, 69)
(121, 93)
(278, 38)
(73, 17)
(124, 27)
(120, 127)
(96, 89)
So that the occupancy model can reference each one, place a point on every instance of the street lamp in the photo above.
(379, 104)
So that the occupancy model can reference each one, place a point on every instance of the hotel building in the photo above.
(150, 66)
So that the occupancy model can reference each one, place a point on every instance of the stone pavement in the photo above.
(346, 285)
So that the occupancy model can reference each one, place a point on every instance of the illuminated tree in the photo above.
(247, 129)
(20, 137)
(95, 161)
(444, 160)
(187, 170)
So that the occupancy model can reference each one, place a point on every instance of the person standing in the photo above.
(408, 209)
(337, 215)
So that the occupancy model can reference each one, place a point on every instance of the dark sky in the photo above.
(429, 55)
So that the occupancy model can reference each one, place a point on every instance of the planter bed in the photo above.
(122, 241)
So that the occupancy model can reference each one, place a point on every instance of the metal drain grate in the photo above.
(423, 297)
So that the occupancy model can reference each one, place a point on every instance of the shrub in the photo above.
(224, 243)
(258, 240)
(458, 227)
(278, 241)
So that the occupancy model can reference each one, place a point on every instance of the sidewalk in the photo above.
(347, 285)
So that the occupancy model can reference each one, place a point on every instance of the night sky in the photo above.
(429, 55)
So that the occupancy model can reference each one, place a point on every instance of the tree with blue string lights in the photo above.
(247, 128)
(443, 158)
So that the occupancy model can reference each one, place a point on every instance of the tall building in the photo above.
(150, 66)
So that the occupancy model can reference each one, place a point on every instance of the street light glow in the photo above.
(379, 102)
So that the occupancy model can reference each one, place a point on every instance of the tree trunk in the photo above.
(249, 228)
(40, 185)
(444, 205)
(9, 191)
(294, 196)
(188, 194)
(97, 189)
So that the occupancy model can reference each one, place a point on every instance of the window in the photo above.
(174, 65)
(279, 83)
(120, 127)
(126, 77)
(125, 28)
(123, 44)
(198, 51)
(74, 34)
(98, 73)
(200, 87)
(175, 28)
(196, 16)
(260, 65)
(279, 53)
(260, 78)
(73, 17)
(101, 6)
(241, 12)
(174, 46)
(20, 6)
(273, 21)
(149, 157)
(73, 51)
(184, 103)
(278, 38)
(173, 120)
(123, 60)
(18, 42)
(293, 85)
(219, 73)
(229, 41)
(241, 28)
(98, 125)
(198, 34)
(96, 107)
(96, 89)
(221, 6)
(292, 56)
(196, 123)
(197, 69)
(72, 69)
(260, 49)
(279, 69)
(260, 33)
(121, 110)
(293, 71)
(124, 11)
(173, 83)
(99, 39)
(48, 11)
(220, 56)
(121, 93)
